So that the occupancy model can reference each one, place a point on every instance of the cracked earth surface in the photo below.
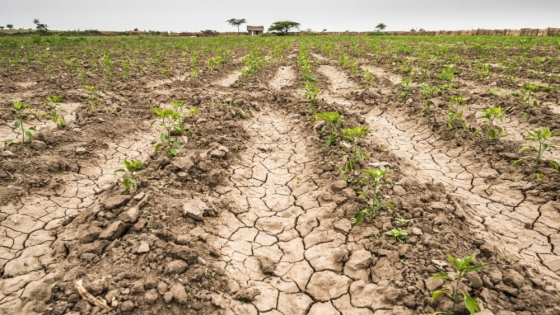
(27, 227)
(503, 206)
(280, 237)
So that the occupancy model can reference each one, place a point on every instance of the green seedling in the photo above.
(56, 117)
(179, 106)
(454, 111)
(540, 139)
(93, 100)
(375, 183)
(311, 93)
(527, 95)
(447, 74)
(22, 111)
(406, 88)
(331, 129)
(493, 130)
(402, 221)
(462, 268)
(399, 234)
(130, 169)
(427, 108)
(171, 121)
(195, 73)
(355, 136)
(368, 78)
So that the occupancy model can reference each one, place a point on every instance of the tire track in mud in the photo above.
(28, 227)
(502, 206)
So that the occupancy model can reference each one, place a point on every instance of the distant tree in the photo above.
(136, 29)
(41, 28)
(421, 30)
(283, 27)
(380, 27)
(413, 30)
(2, 28)
(236, 23)
(10, 26)
(324, 30)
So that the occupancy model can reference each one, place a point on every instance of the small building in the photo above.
(255, 30)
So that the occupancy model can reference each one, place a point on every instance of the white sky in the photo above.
(333, 15)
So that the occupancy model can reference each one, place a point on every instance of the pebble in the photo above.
(81, 150)
(143, 248)
(38, 145)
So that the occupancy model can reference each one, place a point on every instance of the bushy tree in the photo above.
(41, 28)
(380, 27)
(236, 23)
(283, 27)
(10, 26)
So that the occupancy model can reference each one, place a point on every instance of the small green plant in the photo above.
(447, 74)
(540, 139)
(56, 117)
(171, 121)
(454, 112)
(22, 111)
(355, 136)
(527, 95)
(368, 78)
(493, 130)
(402, 221)
(93, 100)
(375, 183)
(399, 234)
(130, 169)
(195, 73)
(311, 93)
(331, 129)
(462, 268)
(406, 87)
(427, 108)
(179, 106)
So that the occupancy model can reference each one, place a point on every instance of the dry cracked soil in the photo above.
(252, 216)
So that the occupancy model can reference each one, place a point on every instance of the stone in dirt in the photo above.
(327, 285)
(338, 185)
(150, 296)
(80, 150)
(176, 267)
(267, 265)
(143, 248)
(217, 154)
(183, 163)
(131, 215)
(343, 226)
(179, 294)
(96, 287)
(115, 201)
(357, 266)
(38, 145)
(113, 231)
(127, 306)
(195, 209)
(247, 294)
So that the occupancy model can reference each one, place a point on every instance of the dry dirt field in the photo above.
(254, 161)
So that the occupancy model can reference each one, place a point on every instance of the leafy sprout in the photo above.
(540, 139)
(490, 118)
(399, 234)
(462, 268)
(130, 169)
(375, 183)
(331, 129)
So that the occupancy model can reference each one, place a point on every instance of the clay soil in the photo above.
(252, 216)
